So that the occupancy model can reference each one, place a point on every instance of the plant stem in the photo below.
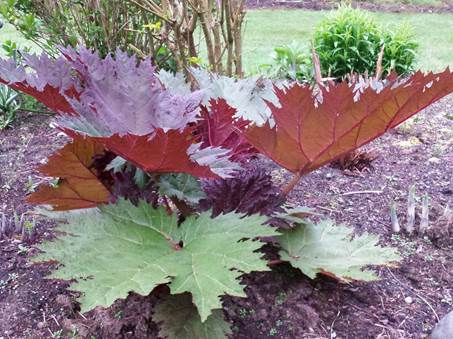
(271, 263)
(291, 184)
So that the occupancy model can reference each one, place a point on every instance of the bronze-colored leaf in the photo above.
(79, 186)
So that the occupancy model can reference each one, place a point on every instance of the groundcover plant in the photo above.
(156, 187)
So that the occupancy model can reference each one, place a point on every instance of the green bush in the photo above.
(349, 40)
(103, 25)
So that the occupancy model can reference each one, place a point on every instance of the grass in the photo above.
(266, 29)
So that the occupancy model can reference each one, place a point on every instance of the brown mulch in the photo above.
(446, 6)
(282, 303)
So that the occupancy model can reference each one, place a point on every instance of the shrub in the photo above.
(349, 40)
(127, 127)
(103, 25)
(164, 30)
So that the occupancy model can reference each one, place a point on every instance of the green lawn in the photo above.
(265, 29)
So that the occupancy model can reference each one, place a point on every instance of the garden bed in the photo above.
(443, 6)
(405, 303)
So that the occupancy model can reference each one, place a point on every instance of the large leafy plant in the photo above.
(154, 172)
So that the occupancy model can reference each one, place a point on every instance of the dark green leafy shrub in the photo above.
(349, 40)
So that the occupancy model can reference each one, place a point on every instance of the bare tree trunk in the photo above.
(220, 23)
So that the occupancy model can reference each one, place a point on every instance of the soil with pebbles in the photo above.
(406, 302)
(445, 6)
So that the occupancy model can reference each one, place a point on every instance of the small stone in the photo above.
(444, 329)
(434, 160)
(329, 176)
(408, 300)
(42, 324)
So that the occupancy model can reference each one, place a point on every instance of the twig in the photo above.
(362, 192)
(327, 209)
(317, 68)
(379, 63)
(333, 324)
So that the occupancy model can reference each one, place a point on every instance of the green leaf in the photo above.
(329, 249)
(117, 165)
(178, 319)
(182, 186)
(122, 248)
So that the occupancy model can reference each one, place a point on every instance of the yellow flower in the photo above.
(153, 27)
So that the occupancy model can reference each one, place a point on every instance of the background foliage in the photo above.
(349, 40)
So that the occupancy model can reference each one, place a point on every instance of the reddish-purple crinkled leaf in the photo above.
(49, 81)
(218, 128)
(123, 97)
(122, 103)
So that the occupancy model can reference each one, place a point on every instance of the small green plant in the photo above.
(57, 334)
(290, 62)
(349, 41)
(281, 298)
(17, 226)
(409, 226)
(9, 105)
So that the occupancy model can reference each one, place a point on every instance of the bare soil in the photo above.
(406, 302)
(444, 6)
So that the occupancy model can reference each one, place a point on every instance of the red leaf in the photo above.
(307, 135)
(219, 129)
(49, 96)
(79, 186)
(161, 152)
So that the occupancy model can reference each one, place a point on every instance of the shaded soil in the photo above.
(445, 6)
(406, 303)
